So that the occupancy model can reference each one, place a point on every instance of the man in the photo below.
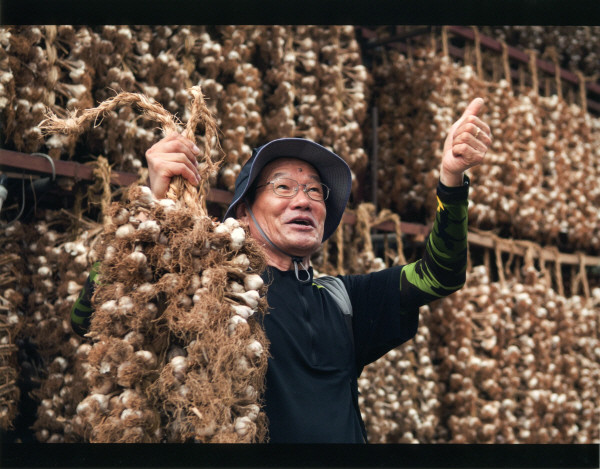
(292, 193)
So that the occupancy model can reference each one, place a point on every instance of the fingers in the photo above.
(174, 155)
(471, 142)
(194, 151)
(466, 144)
(472, 137)
(473, 108)
(468, 154)
(175, 143)
(475, 132)
(469, 115)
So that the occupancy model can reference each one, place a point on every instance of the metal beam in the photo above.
(77, 171)
(82, 172)
(489, 241)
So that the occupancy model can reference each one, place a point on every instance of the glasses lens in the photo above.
(316, 191)
(285, 187)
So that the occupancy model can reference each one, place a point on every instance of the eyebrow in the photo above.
(286, 175)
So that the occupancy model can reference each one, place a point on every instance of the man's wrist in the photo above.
(454, 193)
(452, 180)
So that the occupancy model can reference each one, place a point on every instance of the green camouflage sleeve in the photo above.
(442, 269)
(82, 310)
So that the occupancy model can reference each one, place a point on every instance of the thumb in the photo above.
(473, 108)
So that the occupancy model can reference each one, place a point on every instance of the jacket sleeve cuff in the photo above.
(454, 194)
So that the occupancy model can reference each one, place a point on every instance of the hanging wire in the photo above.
(22, 209)
(49, 158)
(22, 200)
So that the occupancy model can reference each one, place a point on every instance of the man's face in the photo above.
(295, 224)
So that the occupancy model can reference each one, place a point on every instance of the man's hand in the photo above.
(174, 155)
(465, 146)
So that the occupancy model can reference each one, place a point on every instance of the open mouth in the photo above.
(301, 222)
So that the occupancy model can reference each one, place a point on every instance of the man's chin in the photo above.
(301, 247)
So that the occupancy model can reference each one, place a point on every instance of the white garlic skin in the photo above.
(125, 231)
(254, 349)
(253, 282)
(222, 229)
(243, 425)
(242, 310)
(238, 236)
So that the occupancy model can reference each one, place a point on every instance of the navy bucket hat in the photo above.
(332, 169)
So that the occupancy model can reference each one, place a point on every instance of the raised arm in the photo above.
(442, 270)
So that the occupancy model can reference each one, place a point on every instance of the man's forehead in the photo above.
(285, 166)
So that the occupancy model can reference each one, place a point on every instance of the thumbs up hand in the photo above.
(467, 142)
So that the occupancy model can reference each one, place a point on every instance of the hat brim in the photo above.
(333, 170)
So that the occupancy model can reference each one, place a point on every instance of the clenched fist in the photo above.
(174, 155)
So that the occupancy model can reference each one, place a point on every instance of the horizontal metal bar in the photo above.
(78, 171)
(488, 241)
(405, 227)
(220, 196)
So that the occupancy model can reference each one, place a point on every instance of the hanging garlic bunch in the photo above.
(120, 139)
(9, 397)
(178, 351)
(13, 275)
(362, 259)
(413, 114)
(58, 272)
(276, 47)
(399, 394)
(211, 56)
(343, 93)
(509, 353)
(32, 71)
(75, 86)
(7, 84)
(240, 107)
(115, 49)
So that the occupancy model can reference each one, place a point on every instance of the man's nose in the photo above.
(301, 198)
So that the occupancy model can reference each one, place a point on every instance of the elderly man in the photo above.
(292, 194)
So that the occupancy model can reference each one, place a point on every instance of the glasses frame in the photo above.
(326, 190)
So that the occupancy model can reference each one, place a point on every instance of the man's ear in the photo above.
(241, 212)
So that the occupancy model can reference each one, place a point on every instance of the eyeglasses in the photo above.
(288, 188)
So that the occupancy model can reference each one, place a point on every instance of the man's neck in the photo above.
(281, 261)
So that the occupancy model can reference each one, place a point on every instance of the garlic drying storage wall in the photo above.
(517, 363)
(313, 77)
(576, 47)
(472, 374)
(539, 181)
